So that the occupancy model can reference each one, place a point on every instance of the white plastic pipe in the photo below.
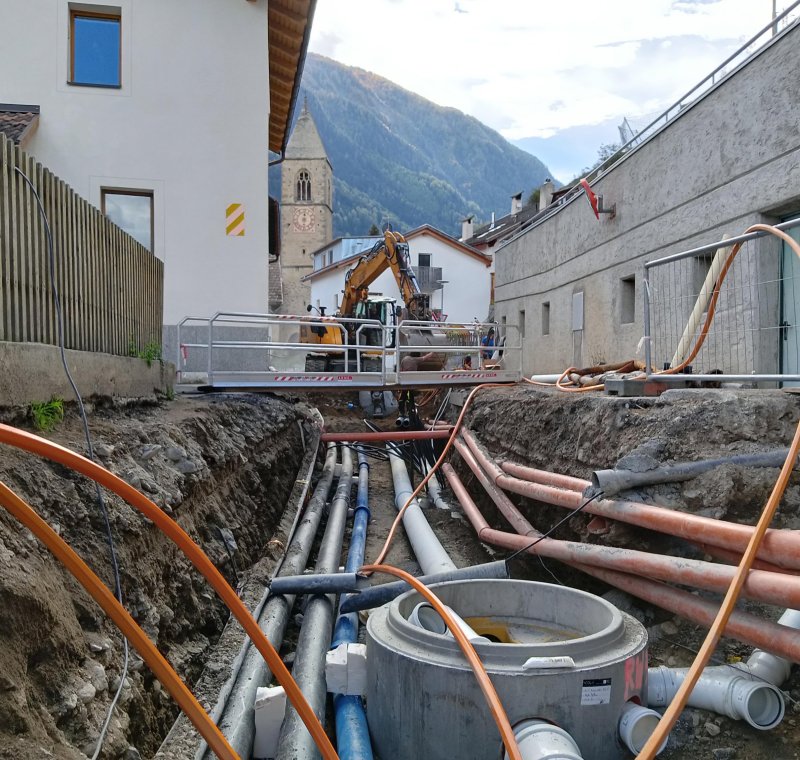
(545, 378)
(425, 616)
(635, 726)
(768, 666)
(724, 689)
(538, 740)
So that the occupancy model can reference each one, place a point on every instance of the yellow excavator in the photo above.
(389, 253)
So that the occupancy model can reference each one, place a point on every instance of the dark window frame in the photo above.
(139, 193)
(74, 13)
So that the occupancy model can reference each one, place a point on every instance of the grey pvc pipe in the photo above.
(611, 482)
(316, 583)
(430, 554)
(295, 742)
(236, 721)
(375, 596)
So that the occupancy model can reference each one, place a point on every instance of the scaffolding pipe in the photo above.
(778, 639)
(295, 741)
(773, 588)
(237, 721)
(430, 554)
(400, 435)
(352, 733)
(781, 548)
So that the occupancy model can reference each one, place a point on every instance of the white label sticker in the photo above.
(596, 691)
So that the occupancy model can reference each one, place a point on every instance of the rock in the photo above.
(97, 675)
(668, 628)
(712, 729)
(149, 486)
(187, 466)
(723, 753)
(132, 754)
(148, 451)
(86, 693)
(132, 479)
(175, 453)
(6, 684)
(67, 704)
(103, 450)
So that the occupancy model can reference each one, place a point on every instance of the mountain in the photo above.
(401, 158)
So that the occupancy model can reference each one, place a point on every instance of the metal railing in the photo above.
(264, 350)
(739, 58)
(754, 334)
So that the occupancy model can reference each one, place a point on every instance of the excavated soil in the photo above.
(220, 467)
(231, 464)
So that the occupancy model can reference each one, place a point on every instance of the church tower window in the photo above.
(303, 190)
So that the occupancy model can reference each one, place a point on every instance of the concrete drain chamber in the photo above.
(557, 655)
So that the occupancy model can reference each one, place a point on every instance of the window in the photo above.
(546, 318)
(627, 300)
(521, 323)
(95, 49)
(303, 191)
(424, 259)
(132, 211)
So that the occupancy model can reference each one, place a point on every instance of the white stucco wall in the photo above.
(189, 123)
(466, 293)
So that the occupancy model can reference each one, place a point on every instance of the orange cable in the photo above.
(49, 450)
(130, 629)
(397, 520)
(675, 708)
(492, 698)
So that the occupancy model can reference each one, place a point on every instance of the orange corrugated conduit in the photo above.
(493, 700)
(726, 609)
(49, 450)
(162, 670)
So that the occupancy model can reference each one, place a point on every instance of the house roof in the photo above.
(425, 229)
(490, 233)
(289, 29)
(18, 122)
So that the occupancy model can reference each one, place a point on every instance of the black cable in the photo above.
(557, 525)
(82, 411)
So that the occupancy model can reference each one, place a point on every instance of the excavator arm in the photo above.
(391, 253)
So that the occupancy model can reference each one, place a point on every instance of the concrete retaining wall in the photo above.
(33, 372)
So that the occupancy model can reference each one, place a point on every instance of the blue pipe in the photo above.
(352, 734)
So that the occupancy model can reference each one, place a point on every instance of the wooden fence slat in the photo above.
(5, 237)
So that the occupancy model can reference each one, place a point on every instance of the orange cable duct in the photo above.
(130, 629)
(49, 450)
(495, 705)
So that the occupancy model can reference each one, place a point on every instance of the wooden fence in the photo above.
(110, 286)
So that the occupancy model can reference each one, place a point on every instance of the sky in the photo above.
(555, 78)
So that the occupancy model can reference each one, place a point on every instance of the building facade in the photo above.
(160, 115)
(728, 159)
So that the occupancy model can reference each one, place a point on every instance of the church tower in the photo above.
(306, 210)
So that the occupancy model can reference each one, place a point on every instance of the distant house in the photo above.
(160, 113)
(457, 276)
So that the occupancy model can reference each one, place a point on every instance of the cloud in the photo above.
(537, 69)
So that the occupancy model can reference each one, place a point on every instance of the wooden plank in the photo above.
(44, 179)
(36, 256)
(18, 302)
(70, 310)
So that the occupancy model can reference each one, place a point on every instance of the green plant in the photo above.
(150, 353)
(47, 414)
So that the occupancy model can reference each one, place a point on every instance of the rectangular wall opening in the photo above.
(627, 300)
(546, 318)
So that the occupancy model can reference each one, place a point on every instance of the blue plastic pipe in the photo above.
(352, 734)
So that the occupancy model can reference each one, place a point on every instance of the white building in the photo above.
(457, 275)
(160, 112)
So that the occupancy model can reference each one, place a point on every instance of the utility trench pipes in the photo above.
(352, 733)
(430, 554)
(295, 742)
(237, 717)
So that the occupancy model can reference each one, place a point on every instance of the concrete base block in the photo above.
(270, 709)
(33, 372)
